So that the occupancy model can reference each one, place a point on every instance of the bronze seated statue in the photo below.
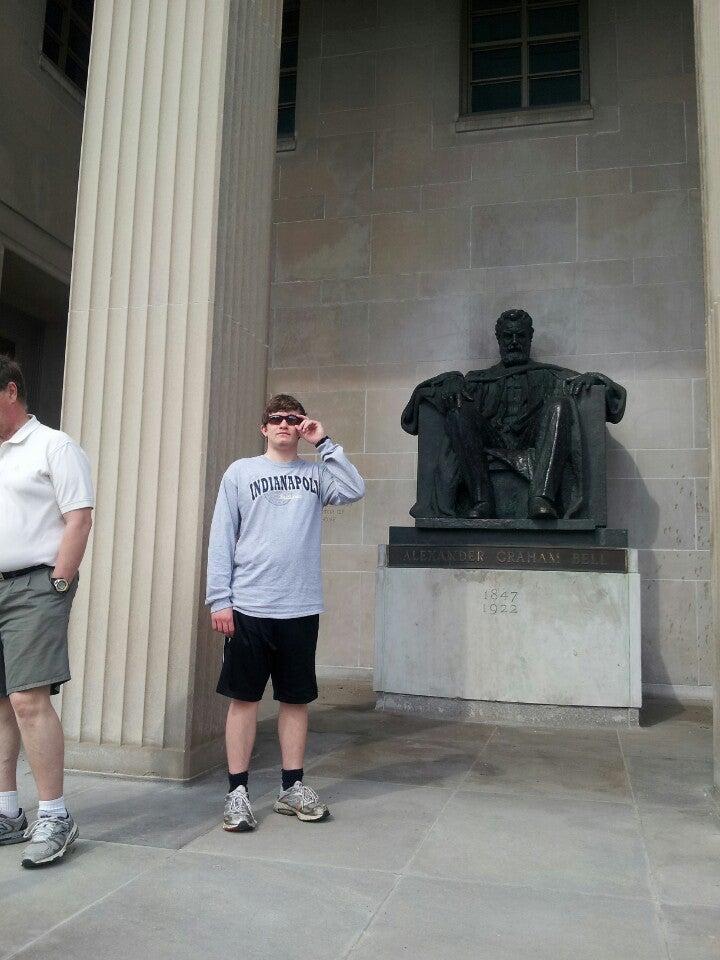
(520, 439)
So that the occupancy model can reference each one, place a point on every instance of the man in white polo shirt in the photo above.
(46, 501)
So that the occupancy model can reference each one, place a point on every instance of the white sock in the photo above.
(9, 804)
(52, 808)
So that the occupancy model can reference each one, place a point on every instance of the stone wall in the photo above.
(399, 240)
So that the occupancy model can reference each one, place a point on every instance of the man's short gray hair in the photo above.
(10, 372)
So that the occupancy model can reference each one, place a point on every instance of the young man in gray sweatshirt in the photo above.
(264, 590)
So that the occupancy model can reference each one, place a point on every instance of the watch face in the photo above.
(60, 584)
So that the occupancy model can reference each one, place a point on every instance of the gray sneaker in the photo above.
(238, 816)
(12, 829)
(49, 838)
(301, 802)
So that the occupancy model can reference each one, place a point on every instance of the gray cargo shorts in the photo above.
(33, 633)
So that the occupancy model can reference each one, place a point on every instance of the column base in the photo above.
(153, 763)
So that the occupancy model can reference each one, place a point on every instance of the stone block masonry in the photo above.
(399, 240)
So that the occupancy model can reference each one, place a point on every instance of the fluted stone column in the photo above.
(707, 46)
(166, 357)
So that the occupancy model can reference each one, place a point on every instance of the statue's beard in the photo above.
(513, 358)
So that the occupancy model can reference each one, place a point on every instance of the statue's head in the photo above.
(514, 332)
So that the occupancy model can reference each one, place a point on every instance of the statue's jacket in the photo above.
(486, 390)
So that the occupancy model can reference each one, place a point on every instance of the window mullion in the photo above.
(65, 38)
(466, 103)
(287, 107)
(525, 55)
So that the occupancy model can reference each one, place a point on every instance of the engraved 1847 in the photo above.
(496, 601)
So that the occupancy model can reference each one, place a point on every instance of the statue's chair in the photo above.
(510, 486)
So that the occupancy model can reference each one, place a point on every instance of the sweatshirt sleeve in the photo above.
(221, 547)
(339, 480)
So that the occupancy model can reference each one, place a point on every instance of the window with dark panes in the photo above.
(523, 54)
(66, 39)
(288, 69)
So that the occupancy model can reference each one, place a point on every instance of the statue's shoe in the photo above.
(482, 510)
(540, 508)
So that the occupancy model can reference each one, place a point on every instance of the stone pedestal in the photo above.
(513, 645)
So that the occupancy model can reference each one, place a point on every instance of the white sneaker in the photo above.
(49, 839)
(12, 829)
(238, 816)
(301, 802)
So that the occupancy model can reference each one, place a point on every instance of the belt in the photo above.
(11, 574)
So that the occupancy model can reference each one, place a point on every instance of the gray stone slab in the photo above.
(334, 334)
(74, 784)
(671, 781)
(561, 764)
(399, 760)
(153, 813)
(33, 901)
(683, 849)
(669, 632)
(470, 736)
(533, 232)
(378, 824)
(595, 742)
(639, 505)
(692, 934)
(377, 725)
(669, 739)
(637, 224)
(428, 919)
(266, 755)
(650, 133)
(583, 846)
(213, 907)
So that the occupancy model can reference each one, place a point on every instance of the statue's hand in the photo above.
(453, 393)
(575, 385)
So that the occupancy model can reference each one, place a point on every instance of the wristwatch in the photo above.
(60, 584)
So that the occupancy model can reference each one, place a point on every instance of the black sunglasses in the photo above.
(291, 419)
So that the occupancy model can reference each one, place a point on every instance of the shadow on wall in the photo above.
(632, 505)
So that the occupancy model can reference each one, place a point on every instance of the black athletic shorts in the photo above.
(262, 647)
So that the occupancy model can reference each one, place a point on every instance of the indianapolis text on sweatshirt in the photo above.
(264, 550)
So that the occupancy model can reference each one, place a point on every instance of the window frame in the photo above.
(70, 16)
(525, 113)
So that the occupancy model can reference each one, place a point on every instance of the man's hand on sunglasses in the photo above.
(311, 430)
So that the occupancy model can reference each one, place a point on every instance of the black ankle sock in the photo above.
(238, 780)
(289, 777)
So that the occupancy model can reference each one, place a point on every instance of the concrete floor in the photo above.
(447, 841)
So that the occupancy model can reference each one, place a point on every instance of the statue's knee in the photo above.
(560, 409)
